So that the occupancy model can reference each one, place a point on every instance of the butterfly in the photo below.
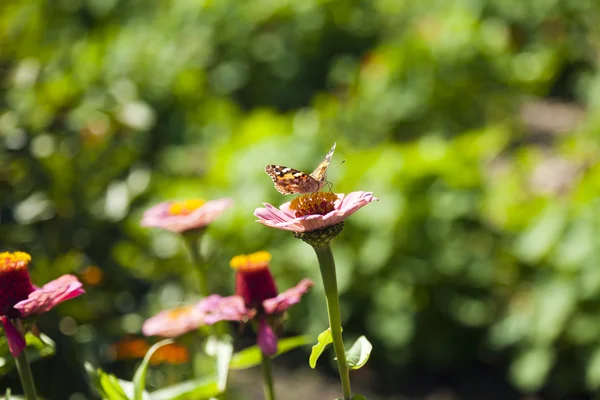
(289, 180)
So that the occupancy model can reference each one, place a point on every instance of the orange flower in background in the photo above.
(171, 354)
(136, 348)
(92, 275)
(129, 349)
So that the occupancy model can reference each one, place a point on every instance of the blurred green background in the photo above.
(475, 122)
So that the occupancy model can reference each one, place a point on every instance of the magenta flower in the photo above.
(186, 215)
(256, 299)
(20, 299)
(313, 211)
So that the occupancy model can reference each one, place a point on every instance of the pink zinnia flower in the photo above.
(174, 322)
(185, 215)
(313, 211)
(256, 299)
(20, 299)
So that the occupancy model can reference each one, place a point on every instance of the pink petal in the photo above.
(267, 339)
(355, 201)
(285, 208)
(155, 214)
(272, 216)
(173, 323)
(48, 296)
(215, 308)
(159, 216)
(16, 341)
(287, 298)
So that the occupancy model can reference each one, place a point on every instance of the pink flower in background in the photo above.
(185, 215)
(174, 322)
(256, 299)
(20, 299)
(313, 211)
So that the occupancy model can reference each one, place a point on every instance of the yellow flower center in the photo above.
(14, 261)
(177, 312)
(186, 207)
(251, 262)
(319, 203)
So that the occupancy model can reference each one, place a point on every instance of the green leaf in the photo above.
(7, 394)
(37, 347)
(107, 385)
(359, 353)
(194, 389)
(542, 234)
(592, 373)
(139, 378)
(530, 369)
(43, 345)
(251, 356)
(323, 340)
(359, 397)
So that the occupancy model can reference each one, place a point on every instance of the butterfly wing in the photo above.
(320, 173)
(289, 180)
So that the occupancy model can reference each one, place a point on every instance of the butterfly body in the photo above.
(292, 181)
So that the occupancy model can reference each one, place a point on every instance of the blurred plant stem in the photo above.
(218, 332)
(327, 267)
(26, 377)
(192, 240)
(268, 378)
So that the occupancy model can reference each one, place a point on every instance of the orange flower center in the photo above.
(251, 262)
(186, 207)
(178, 312)
(319, 203)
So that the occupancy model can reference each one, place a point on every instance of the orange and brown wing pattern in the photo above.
(289, 180)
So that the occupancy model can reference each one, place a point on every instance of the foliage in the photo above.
(482, 248)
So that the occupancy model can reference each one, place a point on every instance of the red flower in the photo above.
(256, 298)
(20, 299)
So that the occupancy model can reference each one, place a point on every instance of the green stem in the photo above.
(192, 239)
(25, 375)
(268, 378)
(327, 266)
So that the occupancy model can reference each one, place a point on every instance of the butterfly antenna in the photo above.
(330, 185)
